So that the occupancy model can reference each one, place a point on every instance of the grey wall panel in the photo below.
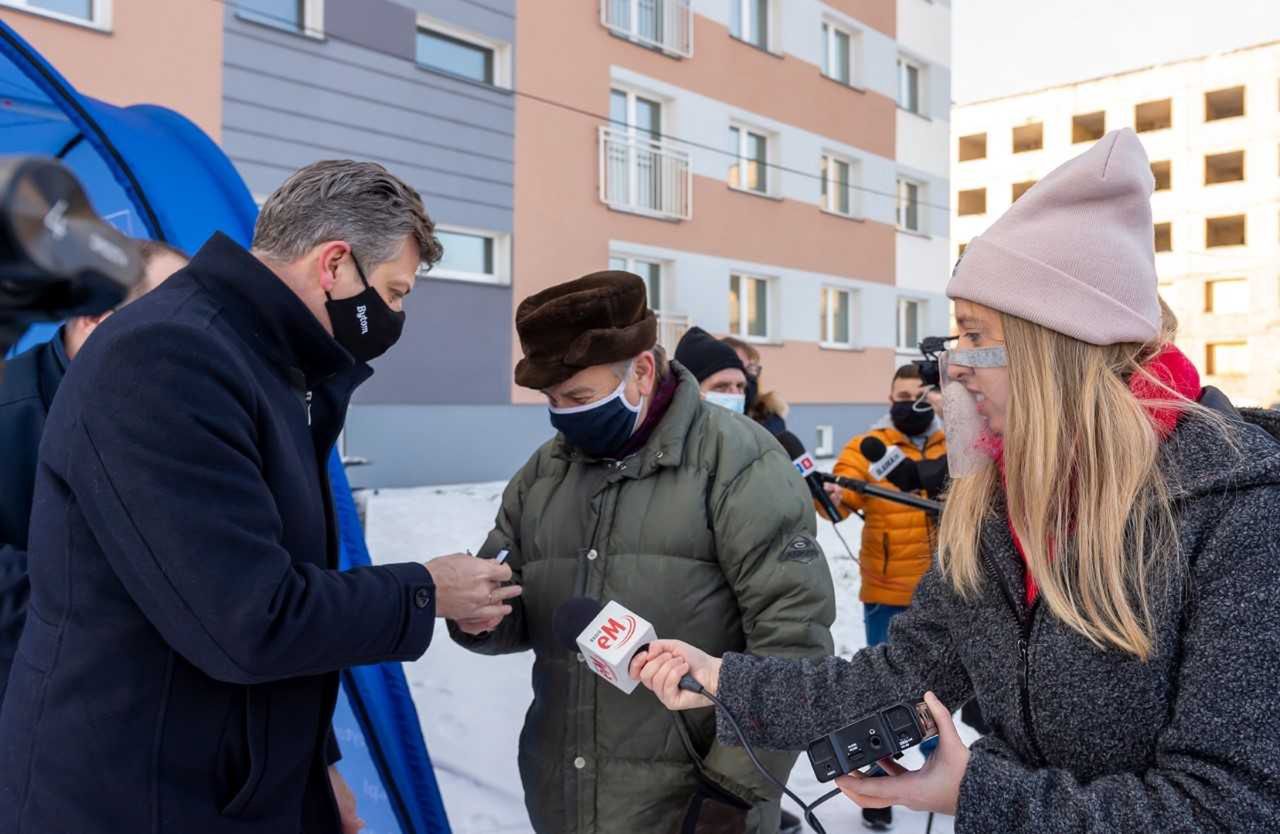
(379, 25)
(846, 421)
(456, 348)
(426, 445)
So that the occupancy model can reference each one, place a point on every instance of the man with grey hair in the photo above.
(179, 664)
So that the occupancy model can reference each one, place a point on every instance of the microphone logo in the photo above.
(602, 669)
(616, 632)
(804, 465)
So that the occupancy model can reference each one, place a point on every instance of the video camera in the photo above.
(57, 257)
(887, 732)
(930, 373)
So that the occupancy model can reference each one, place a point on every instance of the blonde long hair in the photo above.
(1086, 495)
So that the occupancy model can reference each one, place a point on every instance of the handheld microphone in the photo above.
(608, 637)
(809, 470)
(907, 475)
(890, 465)
(897, 496)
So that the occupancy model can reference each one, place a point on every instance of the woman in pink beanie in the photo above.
(1109, 555)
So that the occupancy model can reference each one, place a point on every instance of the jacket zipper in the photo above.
(1026, 626)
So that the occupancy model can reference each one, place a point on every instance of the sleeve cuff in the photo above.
(734, 691)
(418, 595)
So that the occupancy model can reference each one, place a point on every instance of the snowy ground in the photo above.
(472, 707)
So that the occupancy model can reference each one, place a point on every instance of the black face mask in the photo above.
(363, 323)
(910, 420)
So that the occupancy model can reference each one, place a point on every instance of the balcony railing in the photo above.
(671, 329)
(644, 175)
(663, 24)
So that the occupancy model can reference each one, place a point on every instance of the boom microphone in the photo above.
(806, 467)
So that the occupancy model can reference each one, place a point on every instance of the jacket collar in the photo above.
(263, 309)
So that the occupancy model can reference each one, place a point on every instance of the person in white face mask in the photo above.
(720, 374)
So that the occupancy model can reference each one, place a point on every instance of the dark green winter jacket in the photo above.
(707, 532)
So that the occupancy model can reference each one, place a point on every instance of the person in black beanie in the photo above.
(720, 374)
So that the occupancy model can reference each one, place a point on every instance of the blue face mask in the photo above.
(600, 428)
(737, 403)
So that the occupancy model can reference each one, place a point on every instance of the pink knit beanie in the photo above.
(1075, 253)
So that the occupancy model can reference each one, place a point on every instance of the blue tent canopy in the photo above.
(156, 175)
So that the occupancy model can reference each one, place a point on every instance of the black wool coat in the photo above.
(1088, 740)
(179, 665)
(27, 387)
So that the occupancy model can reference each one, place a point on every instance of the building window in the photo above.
(455, 56)
(1153, 115)
(750, 171)
(1162, 173)
(642, 172)
(303, 16)
(910, 81)
(910, 323)
(837, 53)
(973, 146)
(472, 255)
(837, 185)
(1224, 104)
(1224, 167)
(1028, 137)
(749, 300)
(909, 198)
(1224, 231)
(749, 20)
(972, 201)
(1020, 188)
(1227, 358)
(650, 270)
(1088, 127)
(665, 24)
(1226, 296)
(837, 317)
(1164, 237)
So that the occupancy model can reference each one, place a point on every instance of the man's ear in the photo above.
(646, 372)
(329, 256)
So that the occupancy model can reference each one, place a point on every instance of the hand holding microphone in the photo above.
(664, 664)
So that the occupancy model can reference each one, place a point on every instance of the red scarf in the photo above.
(1172, 368)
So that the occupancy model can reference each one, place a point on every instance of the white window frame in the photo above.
(829, 29)
(771, 24)
(312, 20)
(922, 305)
(665, 110)
(921, 197)
(830, 322)
(771, 176)
(684, 8)
(100, 14)
(829, 204)
(770, 307)
(501, 259)
(664, 276)
(501, 49)
(922, 84)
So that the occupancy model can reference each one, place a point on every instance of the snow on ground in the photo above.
(472, 707)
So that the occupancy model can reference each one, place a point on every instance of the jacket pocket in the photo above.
(243, 752)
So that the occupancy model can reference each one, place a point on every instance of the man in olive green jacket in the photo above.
(682, 511)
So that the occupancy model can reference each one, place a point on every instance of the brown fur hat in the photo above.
(598, 319)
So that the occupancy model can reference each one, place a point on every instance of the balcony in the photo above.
(671, 329)
(643, 175)
(661, 24)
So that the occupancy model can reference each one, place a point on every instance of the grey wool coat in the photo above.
(1087, 739)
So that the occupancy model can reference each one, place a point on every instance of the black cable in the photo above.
(689, 684)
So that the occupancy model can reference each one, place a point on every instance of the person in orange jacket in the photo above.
(897, 540)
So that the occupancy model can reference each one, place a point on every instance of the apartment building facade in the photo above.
(1211, 127)
(775, 169)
